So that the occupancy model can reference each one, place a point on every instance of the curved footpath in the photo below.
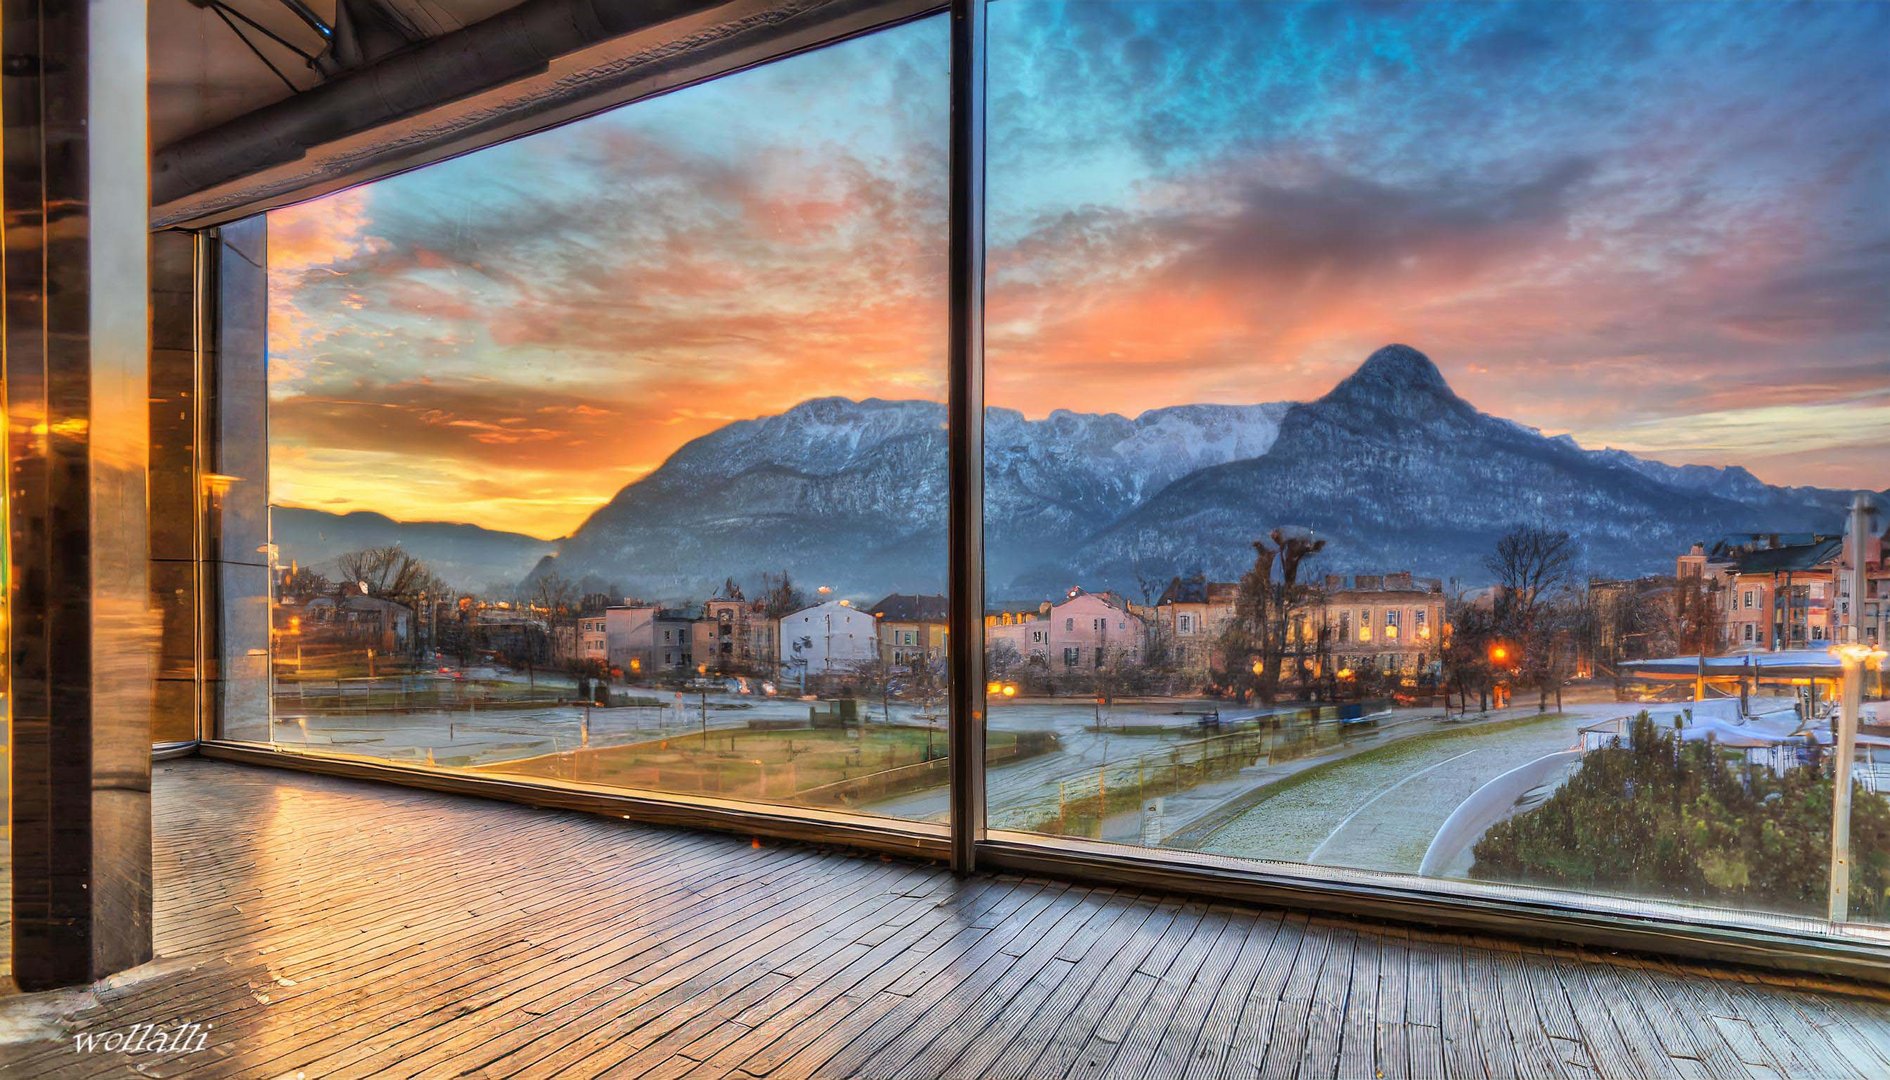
(1381, 810)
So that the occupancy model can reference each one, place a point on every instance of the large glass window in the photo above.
(616, 454)
(1453, 366)
(1419, 445)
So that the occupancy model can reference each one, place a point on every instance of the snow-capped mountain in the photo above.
(1393, 468)
(1398, 472)
(853, 493)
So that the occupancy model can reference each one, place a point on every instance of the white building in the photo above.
(828, 639)
(643, 639)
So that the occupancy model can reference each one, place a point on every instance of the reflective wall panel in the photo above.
(81, 633)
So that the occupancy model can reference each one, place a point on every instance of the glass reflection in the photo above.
(1337, 356)
(616, 454)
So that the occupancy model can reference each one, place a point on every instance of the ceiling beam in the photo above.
(537, 64)
(509, 45)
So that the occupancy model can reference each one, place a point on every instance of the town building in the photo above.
(1393, 623)
(515, 635)
(1190, 616)
(1626, 623)
(735, 636)
(593, 644)
(358, 622)
(644, 640)
(1082, 632)
(1772, 591)
(1780, 591)
(1874, 621)
(910, 627)
(833, 638)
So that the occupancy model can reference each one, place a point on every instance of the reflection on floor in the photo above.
(344, 929)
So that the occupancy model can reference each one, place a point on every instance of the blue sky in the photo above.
(1658, 226)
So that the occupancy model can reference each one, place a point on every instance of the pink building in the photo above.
(1082, 632)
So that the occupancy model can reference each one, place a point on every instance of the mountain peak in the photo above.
(1401, 365)
(1396, 378)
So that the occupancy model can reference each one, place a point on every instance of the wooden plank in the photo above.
(1113, 1026)
(338, 929)
(966, 971)
(966, 1013)
(972, 1041)
(1174, 1044)
(1137, 1046)
(1358, 1035)
(1061, 1041)
(1391, 1019)
(1331, 991)
(1221, 1025)
(1016, 1038)
(1253, 1031)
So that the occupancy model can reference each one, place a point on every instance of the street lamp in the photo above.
(1853, 654)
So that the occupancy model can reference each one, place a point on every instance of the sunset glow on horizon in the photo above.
(1662, 228)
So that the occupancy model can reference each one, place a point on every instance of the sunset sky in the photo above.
(1661, 227)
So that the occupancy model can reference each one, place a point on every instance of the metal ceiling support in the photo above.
(365, 31)
(307, 15)
(507, 46)
(223, 13)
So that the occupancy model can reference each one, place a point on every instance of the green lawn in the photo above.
(760, 765)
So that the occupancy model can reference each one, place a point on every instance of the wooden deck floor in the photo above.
(340, 929)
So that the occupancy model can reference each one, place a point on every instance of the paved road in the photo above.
(1381, 811)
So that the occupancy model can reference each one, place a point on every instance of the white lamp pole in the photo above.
(1853, 652)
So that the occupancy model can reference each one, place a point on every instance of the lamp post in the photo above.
(1854, 653)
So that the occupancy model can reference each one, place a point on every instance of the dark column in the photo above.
(965, 410)
(81, 637)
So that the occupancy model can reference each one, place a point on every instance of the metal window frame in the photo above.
(965, 844)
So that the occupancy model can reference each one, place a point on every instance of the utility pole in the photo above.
(1854, 653)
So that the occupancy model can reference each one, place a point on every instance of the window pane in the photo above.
(1445, 400)
(616, 453)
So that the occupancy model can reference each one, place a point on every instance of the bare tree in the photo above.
(306, 583)
(780, 596)
(1255, 643)
(874, 678)
(1529, 564)
(393, 574)
(559, 599)
(1002, 660)
(1466, 653)
(1549, 652)
(389, 573)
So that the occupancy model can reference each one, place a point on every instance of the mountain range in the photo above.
(1391, 467)
(466, 556)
